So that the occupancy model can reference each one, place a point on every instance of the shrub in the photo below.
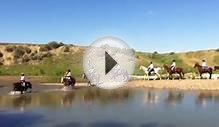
(172, 53)
(45, 48)
(217, 50)
(66, 49)
(27, 50)
(10, 48)
(18, 52)
(55, 44)
(46, 54)
(25, 58)
(1, 61)
(1, 54)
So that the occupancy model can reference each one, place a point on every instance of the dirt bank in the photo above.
(177, 84)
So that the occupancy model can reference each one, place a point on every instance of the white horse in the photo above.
(156, 72)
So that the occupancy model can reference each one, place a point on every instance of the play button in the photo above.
(108, 62)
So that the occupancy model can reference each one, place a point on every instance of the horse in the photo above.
(178, 70)
(216, 68)
(18, 87)
(84, 76)
(68, 82)
(201, 70)
(156, 71)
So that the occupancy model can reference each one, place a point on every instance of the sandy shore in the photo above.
(177, 84)
(167, 84)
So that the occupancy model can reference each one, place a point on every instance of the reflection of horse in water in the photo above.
(155, 72)
(208, 70)
(21, 101)
(204, 98)
(67, 99)
(177, 70)
(151, 97)
(174, 97)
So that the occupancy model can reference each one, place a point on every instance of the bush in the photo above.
(27, 50)
(172, 53)
(46, 54)
(25, 58)
(1, 61)
(10, 48)
(66, 49)
(1, 54)
(217, 50)
(18, 52)
(45, 48)
(55, 44)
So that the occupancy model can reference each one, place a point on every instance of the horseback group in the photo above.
(173, 69)
(24, 86)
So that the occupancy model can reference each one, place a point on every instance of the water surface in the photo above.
(92, 107)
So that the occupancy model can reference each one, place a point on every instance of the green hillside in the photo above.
(54, 58)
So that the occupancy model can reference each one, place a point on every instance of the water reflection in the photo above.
(152, 96)
(204, 98)
(64, 99)
(174, 98)
(90, 96)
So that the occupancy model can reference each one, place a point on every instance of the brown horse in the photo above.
(178, 70)
(202, 71)
(216, 68)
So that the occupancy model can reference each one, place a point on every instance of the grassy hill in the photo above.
(54, 58)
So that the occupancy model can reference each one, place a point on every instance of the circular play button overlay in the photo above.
(108, 63)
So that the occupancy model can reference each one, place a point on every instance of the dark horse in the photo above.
(176, 71)
(216, 68)
(67, 82)
(19, 87)
(201, 70)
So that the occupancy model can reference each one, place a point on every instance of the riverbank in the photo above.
(177, 84)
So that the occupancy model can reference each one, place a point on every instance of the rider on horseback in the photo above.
(204, 65)
(173, 65)
(150, 68)
(22, 79)
(68, 75)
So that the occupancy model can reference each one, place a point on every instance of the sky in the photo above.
(145, 25)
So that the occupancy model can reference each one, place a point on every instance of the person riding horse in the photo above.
(173, 65)
(150, 68)
(68, 76)
(204, 65)
(23, 79)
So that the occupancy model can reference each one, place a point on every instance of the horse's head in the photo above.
(196, 65)
(165, 67)
(141, 67)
